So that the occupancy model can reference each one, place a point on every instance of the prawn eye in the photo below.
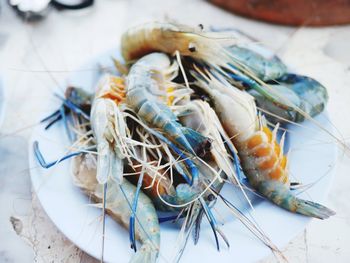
(211, 197)
(191, 47)
(201, 26)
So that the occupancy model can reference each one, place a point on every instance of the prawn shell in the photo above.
(263, 158)
(84, 176)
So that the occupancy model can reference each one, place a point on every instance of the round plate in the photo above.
(310, 159)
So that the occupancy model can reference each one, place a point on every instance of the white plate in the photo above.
(310, 159)
(2, 102)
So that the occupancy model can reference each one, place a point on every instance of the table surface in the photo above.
(36, 57)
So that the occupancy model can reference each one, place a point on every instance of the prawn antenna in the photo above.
(254, 229)
(193, 168)
(40, 158)
(236, 163)
(72, 106)
(103, 220)
(213, 224)
(61, 114)
(133, 213)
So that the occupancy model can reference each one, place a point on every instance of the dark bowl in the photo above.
(292, 12)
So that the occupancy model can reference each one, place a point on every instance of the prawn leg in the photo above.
(77, 101)
(133, 214)
(40, 158)
(193, 169)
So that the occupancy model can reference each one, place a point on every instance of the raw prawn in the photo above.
(109, 127)
(262, 158)
(148, 78)
(118, 202)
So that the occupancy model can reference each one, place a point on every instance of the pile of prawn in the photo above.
(190, 111)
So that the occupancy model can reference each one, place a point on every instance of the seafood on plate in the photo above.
(186, 116)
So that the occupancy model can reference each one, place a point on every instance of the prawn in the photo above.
(109, 127)
(117, 203)
(85, 168)
(310, 96)
(148, 79)
(262, 158)
(304, 92)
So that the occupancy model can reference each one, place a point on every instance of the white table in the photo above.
(64, 40)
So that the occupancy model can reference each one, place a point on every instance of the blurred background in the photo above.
(38, 51)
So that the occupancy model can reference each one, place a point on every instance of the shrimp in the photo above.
(109, 127)
(262, 158)
(303, 92)
(116, 196)
(118, 200)
(310, 96)
(146, 85)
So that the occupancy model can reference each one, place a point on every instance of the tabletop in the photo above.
(36, 57)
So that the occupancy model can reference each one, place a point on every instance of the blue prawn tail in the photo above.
(146, 254)
(313, 209)
(312, 94)
(281, 195)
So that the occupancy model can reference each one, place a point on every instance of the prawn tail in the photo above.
(313, 209)
(199, 143)
(281, 195)
(146, 254)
